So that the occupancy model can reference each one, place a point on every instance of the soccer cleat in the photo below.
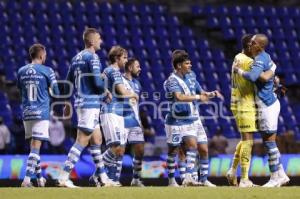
(283, 178)
(189, 181)
(94, 181)
(26, 184)
(41, 182)
(207, 183)
(107, 182)
(173, 183)
(66, 183)
(274, 180)
(247, 183)
(111, 183)
(277, 179)
(137, 183)
(231, 177)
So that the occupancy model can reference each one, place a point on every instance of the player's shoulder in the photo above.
(136, 81)
(171, 80)
(191, 74)
(111, 70)
(23, 68)
(263, 56)
(87, 55)
(243, 57)
(35, 68)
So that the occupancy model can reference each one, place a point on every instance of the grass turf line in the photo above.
(150, 193)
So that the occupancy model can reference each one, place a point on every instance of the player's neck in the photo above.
(257, 53)
(128, 75)
(115, 65)
(178, 73)
(36, 61)
(247, 53)
(90, 49)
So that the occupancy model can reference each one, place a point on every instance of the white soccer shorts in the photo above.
(201, 135)
(37, 129)
(135, 135)
(113, 129)
(88, 119)
(268, 116)
(175, 133)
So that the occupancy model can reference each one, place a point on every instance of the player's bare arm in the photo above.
(189, 98)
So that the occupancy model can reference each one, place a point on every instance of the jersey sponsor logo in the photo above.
(244, 126)
(30, 71)
(176, 138)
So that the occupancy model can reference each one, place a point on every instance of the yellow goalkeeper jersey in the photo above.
(242, 90)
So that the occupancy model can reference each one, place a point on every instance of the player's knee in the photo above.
(139, 151)
(95, 141)
(172, 150)
(203, 151)
(35, 143)
(82, 141)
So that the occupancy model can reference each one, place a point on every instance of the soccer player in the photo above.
(112, 119)
(34, 82)
(84, 74)
(268, 106)
(180, 126)
(132, 119)
(202, 147)
(244, 111)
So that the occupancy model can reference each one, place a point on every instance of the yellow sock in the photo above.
(245, 158)
(236, 157)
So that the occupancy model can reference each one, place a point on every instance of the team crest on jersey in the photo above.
(30, 71)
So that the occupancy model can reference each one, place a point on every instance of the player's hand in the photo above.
(108, 97)
(276, 81)
(136, 97)
(236, 65)
(273, 68)
(218, 95)
(132, 101)
(204, 97)
(67, 110)
(280, 90)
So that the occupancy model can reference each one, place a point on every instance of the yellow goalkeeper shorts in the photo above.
(246, 121)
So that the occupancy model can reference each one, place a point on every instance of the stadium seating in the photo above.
(150, 33)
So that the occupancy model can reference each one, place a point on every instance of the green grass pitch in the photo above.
(151, 193)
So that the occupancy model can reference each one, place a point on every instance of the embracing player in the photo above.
(268, 106)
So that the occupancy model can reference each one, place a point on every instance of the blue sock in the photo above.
(204, 166)
(73, 157)
(110, 162)
(182, 169)
(95, 151)
(171, 165)
(274, 155)
(32, 161)
(119, 168)
(137, 167)
(38, 169)
(190, 160)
